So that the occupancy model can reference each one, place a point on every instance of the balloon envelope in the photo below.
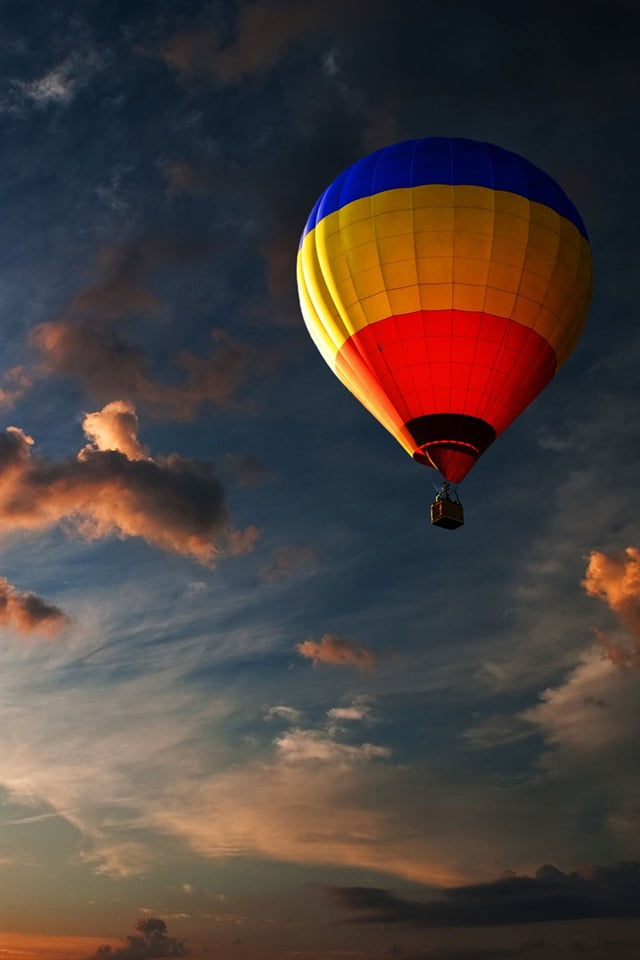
(444, 281)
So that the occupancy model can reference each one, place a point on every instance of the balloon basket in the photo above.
(447, 514)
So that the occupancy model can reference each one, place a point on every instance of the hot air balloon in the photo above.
(445, 281)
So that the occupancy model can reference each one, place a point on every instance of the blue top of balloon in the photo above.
(449, 160)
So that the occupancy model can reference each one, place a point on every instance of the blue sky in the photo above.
(248, 690)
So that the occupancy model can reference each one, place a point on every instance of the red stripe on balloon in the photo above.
(447, 361)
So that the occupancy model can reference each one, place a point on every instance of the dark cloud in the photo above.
(247, 471)
(26, 612)
(125, 275)
(172, 503)
(461, 953)
(549, 896)
(109, 366)
(289, 561)
(281, 189)
(197, 179)
(264, 32)
(602, 948)
(87, 344)
(16, 381)
(337, 651)
(151, 942)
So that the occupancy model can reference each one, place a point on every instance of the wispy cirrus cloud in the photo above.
(58, 86)
(336, 651)
(113, 488)
(26, 612)
(317, 793)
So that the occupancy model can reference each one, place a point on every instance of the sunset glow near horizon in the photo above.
(253, 705)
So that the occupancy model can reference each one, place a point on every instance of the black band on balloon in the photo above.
(453, 430)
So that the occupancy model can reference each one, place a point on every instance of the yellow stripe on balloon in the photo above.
(439, 247)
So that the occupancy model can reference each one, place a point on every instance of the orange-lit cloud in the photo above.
(615, 578)
(172, 503)
(115, 427)
(337, 651)
(27, 613)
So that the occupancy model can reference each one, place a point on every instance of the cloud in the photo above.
(149, 943)
(157, 745)
(587, 717)
(288, 561)
(615, 578)
(151, 744)
(175, 504)
(28, 613)
(57, 87)
(281, 712)
(87, 345)
(16, 381)
(317, 746)
(357, 712)
(106, 365)
(125, 275)
(319, 794)
(247, 471)
(115, 427)
(264, 32)
(549, 896)
(195, 178)
(337, 651)
(497, 730)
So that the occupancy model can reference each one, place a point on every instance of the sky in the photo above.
(254, 705)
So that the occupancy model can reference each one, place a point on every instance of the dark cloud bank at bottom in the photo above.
(597, 892)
